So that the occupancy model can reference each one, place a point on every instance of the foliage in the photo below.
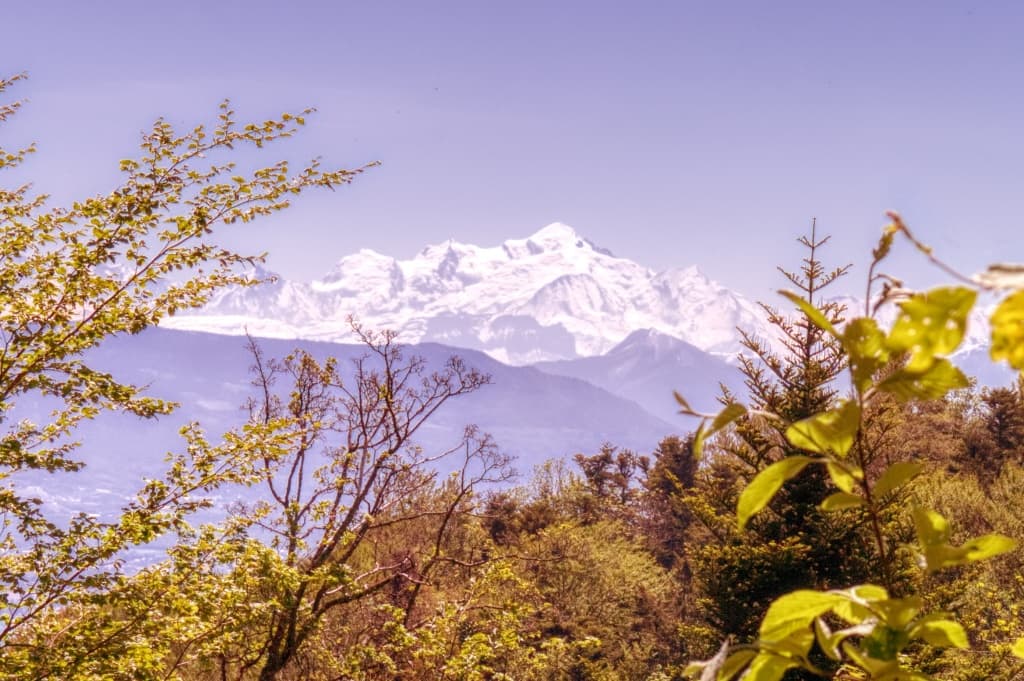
(350, 485)
(69, 278)
(879, 630)
(739, 570)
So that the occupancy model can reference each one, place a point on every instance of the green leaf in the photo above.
(768, 667)
(855, 606)
(897, 613)
(988, 546)
(699, 436)
(765, 484)
(941, 632)
(827, 641)
(884, 643)
(896, 476)
(685, 407)
(933, 535)
(864, 343)
(841, 501)
(932, 528)
(832, 431)
(1018, 648)
(932, 323)
(930, 384)
(844, 475)
(878, 669)
(735, 663)
(812, 313)
(730, 413)
(795, 611)
(1008, 331)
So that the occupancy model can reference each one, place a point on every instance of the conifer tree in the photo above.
(796, 545)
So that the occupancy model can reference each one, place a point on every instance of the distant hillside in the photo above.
(533, 415)
(648, 366)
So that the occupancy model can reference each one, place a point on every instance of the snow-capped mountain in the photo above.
(551, 296)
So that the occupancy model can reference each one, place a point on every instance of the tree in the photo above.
(882, 630)
(667, 516)
(69, 279)
(353, 508)
(796, 545)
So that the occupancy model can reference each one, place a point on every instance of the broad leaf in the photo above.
(940, 632)
(735, 663)
(896, 476)
(841, 501)
(844, 475)
(1008, 331)
(768, 667)
(865, 346)
(831, 432)
(765, 484)
(795, 612)
(988, 546)
(932, 528)
(930, 384)
(730, 413)
(931, 324)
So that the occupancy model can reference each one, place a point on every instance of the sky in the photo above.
(671, 133)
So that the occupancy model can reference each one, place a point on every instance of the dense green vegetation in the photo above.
(834, 522)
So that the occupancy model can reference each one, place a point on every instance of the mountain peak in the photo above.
(557, 236)
(556, 231)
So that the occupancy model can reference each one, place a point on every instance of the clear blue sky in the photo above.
(670, 132)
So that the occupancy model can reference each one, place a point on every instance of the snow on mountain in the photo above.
(554, 295)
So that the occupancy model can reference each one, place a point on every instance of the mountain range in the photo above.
(551, 296)
(583, 348)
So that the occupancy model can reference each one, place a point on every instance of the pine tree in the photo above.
(795, 545)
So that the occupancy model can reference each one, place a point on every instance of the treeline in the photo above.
(362, 561)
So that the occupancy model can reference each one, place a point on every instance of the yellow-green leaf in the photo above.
(931, 384)
(840, 501)
(832, 431)
(1018, 648)
(795, 612)
(896, 476)
(854, 608)
(730, 413)
(932, 528)
(844, 475)
(765, 484)
(735, 663)
(1008, 331)
(988, 546)
(931, 324)
(812, 313)
(941, 632)
(864, 343)
(768, 667)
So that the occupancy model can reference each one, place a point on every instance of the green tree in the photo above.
(882, 633)
(796, 544)
(70, 278)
